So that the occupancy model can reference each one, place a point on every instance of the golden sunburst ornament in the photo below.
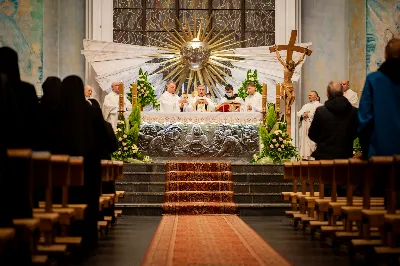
(196, 55)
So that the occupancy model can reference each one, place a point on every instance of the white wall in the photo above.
(325, 24)
(63, 32)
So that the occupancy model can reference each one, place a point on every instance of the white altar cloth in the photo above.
(211, 117)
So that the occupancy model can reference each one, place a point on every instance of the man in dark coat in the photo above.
(334, 128)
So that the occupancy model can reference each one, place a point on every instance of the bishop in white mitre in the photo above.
(111, 106)
(306, 114)
(253, 101)
(169, 101)
(200, 102)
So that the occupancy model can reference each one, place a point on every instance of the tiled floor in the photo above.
(127, 243)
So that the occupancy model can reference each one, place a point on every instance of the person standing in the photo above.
(306, 114)
(169, 101)
(349, 93)
(379, 112)
(111, 105)
(334, 129)
(253, 101)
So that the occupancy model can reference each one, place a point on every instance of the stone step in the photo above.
(140, 209)
(270, 187)
(195, 208)
(158, 197)
(244, 209)
(199, 196)
(199, 186)
(236, 168)
(198, 166)
(141, 186)
(143, 197)
(236, 177)
(239, 187)
(258, 198)
(198, 176)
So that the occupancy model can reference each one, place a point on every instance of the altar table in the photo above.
(194, 134)
(206, 117)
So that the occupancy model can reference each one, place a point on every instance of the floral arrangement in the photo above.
(146, 95)
(127, 139)
(251, 77)
(276, 145)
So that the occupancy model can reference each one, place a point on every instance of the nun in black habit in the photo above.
(49, 115)
(20, 113)
(77, 136)
(26, 98)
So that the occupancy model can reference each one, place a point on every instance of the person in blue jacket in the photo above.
(379, 110)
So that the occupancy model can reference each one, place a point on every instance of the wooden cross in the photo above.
(290, 47)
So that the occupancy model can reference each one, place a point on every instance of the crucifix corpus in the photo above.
(289, 68)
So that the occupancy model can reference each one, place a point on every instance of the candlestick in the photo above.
(134, 93)
(121, 97)
(264, 98)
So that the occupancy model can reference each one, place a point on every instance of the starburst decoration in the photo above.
(196, 56)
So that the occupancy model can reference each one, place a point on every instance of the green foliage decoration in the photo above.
(127, 147)
(276, 145)
(146, 95)
(251, 77)
(128, 138)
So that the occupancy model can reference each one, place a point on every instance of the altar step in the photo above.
(257, 189)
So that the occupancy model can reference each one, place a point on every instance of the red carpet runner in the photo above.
(199, 188)
(209, 240)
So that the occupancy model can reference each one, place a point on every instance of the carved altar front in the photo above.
(199, 134)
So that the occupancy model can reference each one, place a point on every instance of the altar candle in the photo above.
(134, 93)
(264, 98)
(121, 96)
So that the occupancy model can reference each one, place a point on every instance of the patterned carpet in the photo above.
(209, 240)
(199, 188)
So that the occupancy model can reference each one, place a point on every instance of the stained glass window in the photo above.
(250, 22)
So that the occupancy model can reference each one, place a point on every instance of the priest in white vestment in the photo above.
(200, 102)
(306, 114)
(169, 101)
(349, 93)
(253, 101)
(111, 106)
(88, 92)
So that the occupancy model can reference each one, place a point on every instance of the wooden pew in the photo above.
(288, 175)
(76, 179)
(43, 166)
(73, 176)
(382, 170)
(26, 229)
(7, 243)
(106, 201)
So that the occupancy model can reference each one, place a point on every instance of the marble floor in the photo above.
(127, 243)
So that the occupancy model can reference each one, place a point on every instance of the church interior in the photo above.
(200, 132)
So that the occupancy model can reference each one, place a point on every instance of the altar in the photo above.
(194, 134)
